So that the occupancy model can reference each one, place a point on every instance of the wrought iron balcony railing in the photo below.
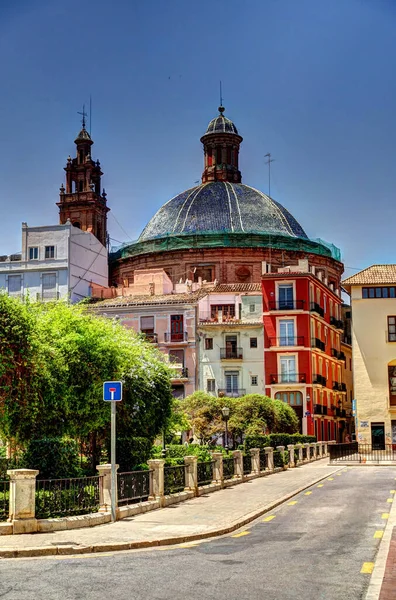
(337, 387)
(151, 337)
(235, 393)
(320, 409)
(316, 343)
(320, 380)
(286, 305)
(287, 341)
(315, 307)
(170, 336)
(337, 323)
(231, 353)
(287, 378)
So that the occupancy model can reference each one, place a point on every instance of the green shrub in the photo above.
(132, 453)
(175, 453)
(277, 439)
(55, 457)
(256, 441)
(281, 459)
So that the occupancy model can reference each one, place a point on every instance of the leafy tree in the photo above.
(252, 414)
(287, 420)
(204, 413)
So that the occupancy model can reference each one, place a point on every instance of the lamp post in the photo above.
(225, 411)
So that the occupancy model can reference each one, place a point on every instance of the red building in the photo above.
(302, 346)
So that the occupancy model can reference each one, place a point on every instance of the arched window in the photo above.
(292, 398)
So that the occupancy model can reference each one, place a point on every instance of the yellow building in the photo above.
(373, 302)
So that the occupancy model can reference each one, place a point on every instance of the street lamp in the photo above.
(225, 411)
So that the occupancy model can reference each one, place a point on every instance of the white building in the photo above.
(57, 261)
(231, 344)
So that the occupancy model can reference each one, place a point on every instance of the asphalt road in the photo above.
(313, 549)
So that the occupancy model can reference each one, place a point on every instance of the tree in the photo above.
(252, 414)
(204, 413)
(286, 420)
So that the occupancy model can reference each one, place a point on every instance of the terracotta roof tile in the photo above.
(374, 275)
(186, 298)
(237, 287)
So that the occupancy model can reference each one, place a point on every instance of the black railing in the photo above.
(287, 378)
(337, 387)
(316, 343)
(205, 472)
(362, 453)
(343, 414)
(236, 393)
(315, 307)
(279, 459)
(320, 380)
(231, 353)
(334, 352)
(151, 337)
(174, 479)
(263, 460)
(287, 341)
(337, 323)
(319, 409)
(247, 464)
(66, 497)
(4, 499)
(343, 452)
(228, 467)
(133, 486)
(171, 336)
(341, 356)
(286, 305)
(343, 387)
(312, 452)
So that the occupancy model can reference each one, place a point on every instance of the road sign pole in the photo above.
(113, 462)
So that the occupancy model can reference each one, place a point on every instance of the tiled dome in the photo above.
(222, 207)
(221, 124)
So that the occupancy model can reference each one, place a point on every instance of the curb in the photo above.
(119, 546)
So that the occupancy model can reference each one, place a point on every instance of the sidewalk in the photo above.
(207, 516)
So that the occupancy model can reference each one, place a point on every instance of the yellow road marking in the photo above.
(378, 534)
(390, 500)
(320, 485)
(385, 516)
(338, 474)
(292, 503)
(392, 492)
(188, 545)
(330, 478)
(242, 533)
(307, 493)
(269, 518)
(367, 567)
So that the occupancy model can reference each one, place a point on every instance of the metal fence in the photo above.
(263, 460)
(247, 464)
(228, 467)
(362, 453)
(4, 499)
(312, 452)
(67, 497)
(174, 479)
(133, 486)
(205, 472)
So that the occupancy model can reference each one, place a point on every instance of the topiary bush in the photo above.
(54, 457)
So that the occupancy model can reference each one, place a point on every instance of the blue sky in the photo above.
(313, 82)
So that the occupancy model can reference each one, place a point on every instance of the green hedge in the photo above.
(132, 453)
(277, 439)
(281, 459)
(54, 457)
(175, 453)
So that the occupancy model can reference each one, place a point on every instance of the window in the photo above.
(176, 357)
(49, 286)
(285, 296)
(288, 369)
(227, 311)
(253, 342)
(324, 303)
(203, 272)
(252, 308)
(232, 382)
(292, 398)
(391, 329)
(378, 292)
(211, 386)
(177, 328)
(208, 343)
(147, 325)
(50, 252)
(14, 285)
(286, 332)
(33, 253)
(254, 379)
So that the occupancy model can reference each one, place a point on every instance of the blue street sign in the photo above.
(354, 407)
(112, 391)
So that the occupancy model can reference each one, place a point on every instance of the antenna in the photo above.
(268, 162)
(90, 114)
(221, 95)
(84, 114)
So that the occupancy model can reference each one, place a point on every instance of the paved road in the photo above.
(313, 549)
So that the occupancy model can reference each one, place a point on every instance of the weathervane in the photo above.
(221, 107)
(84, 114)
(269, 161)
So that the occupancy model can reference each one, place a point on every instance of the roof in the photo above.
(83, 136)
(222, 207)
(236, 287)
(221, 124)
(374, 275)
(120, 301)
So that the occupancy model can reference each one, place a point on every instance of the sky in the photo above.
(312, 82)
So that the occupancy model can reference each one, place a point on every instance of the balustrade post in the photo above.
(191, 470)
(255, 458)
(22, 502)
(318, 450)
(218, 467)
(307, 457)
(324, 449)
(290, 448)
(157, 479)
(282, 450)
(270, 458)
(238, 463)
(300, 452)
(313, 446)
(105, 487)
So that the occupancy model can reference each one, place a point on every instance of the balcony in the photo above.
(286, 305)
(171, 337)
(316, 308)
(343, 414)
(320, 409)
(343, 387)
(337, 387)
(181, 372)
(287, 341)
(341, 356)
(150, 337)
(319, 380)
(336, 323)
(334, 353)
(316, 343)
(236, 393)
(231, 353)
(287, 378)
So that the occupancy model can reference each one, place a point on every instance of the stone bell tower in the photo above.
(83, 201)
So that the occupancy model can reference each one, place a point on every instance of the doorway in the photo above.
(378, 436)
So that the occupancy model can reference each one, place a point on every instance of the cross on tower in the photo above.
(84, 114)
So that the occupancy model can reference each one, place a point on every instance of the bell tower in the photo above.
(83, 201)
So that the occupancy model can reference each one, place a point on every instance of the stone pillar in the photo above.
(217, 467)
(270, 458)
(105, 487)
(324, 449)
(22, 502)
(300, 452)
(281, 449)
(313, 445)
(255, 457)
(319, 449)
(238, 463)
(191, 482)
(290, 448)
(306, 446)
(157, 479)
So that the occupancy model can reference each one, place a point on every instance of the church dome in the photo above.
(222, 207)
(221, 124)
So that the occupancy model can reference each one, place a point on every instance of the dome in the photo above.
(221, 124)
(218, 207)
(83, 136)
